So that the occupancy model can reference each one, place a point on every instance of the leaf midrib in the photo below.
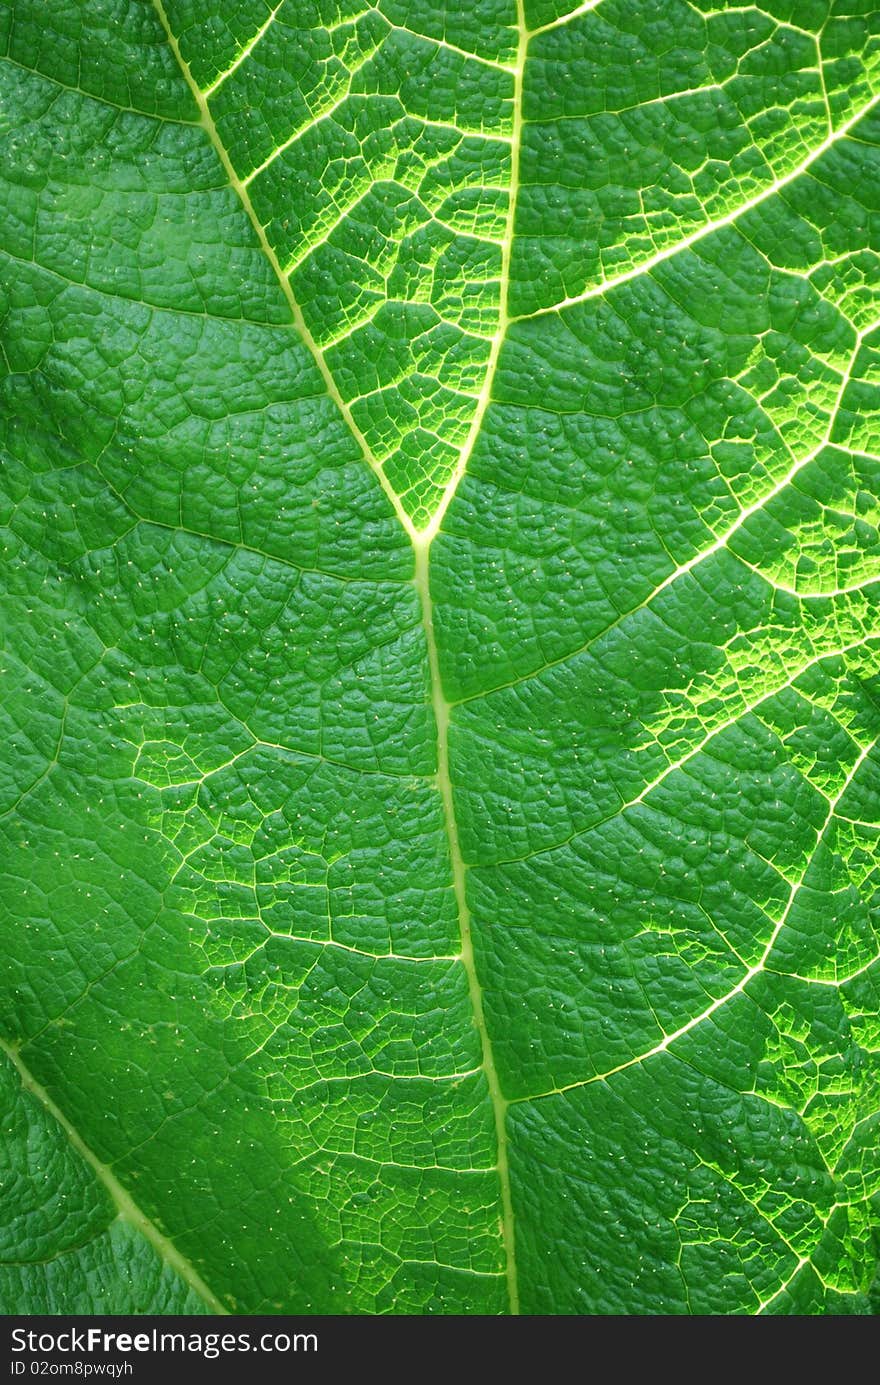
(421, 541)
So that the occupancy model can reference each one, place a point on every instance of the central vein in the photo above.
(421, 541)
(442, 710)
(459, 870)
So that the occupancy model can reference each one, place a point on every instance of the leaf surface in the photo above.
(440, 616)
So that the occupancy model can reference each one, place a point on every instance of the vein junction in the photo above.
(419, 507)
(400, 265)
(432, 269)
(397, 270)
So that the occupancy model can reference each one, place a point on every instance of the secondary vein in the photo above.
(207, 122)
(125, 1205)
(421, 541)
(504, 318)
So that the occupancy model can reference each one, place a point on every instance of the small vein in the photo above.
(708, 227)
(242, 53)
(298, 321)
(92, 96)
(720, 543)
(741, 985)
(426, 535)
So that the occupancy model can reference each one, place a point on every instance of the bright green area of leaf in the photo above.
(441, 787)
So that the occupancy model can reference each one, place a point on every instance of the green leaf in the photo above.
(440, 620)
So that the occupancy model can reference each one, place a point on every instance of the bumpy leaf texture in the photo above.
(440, 776)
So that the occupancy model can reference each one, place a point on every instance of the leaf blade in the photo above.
(401, 914)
